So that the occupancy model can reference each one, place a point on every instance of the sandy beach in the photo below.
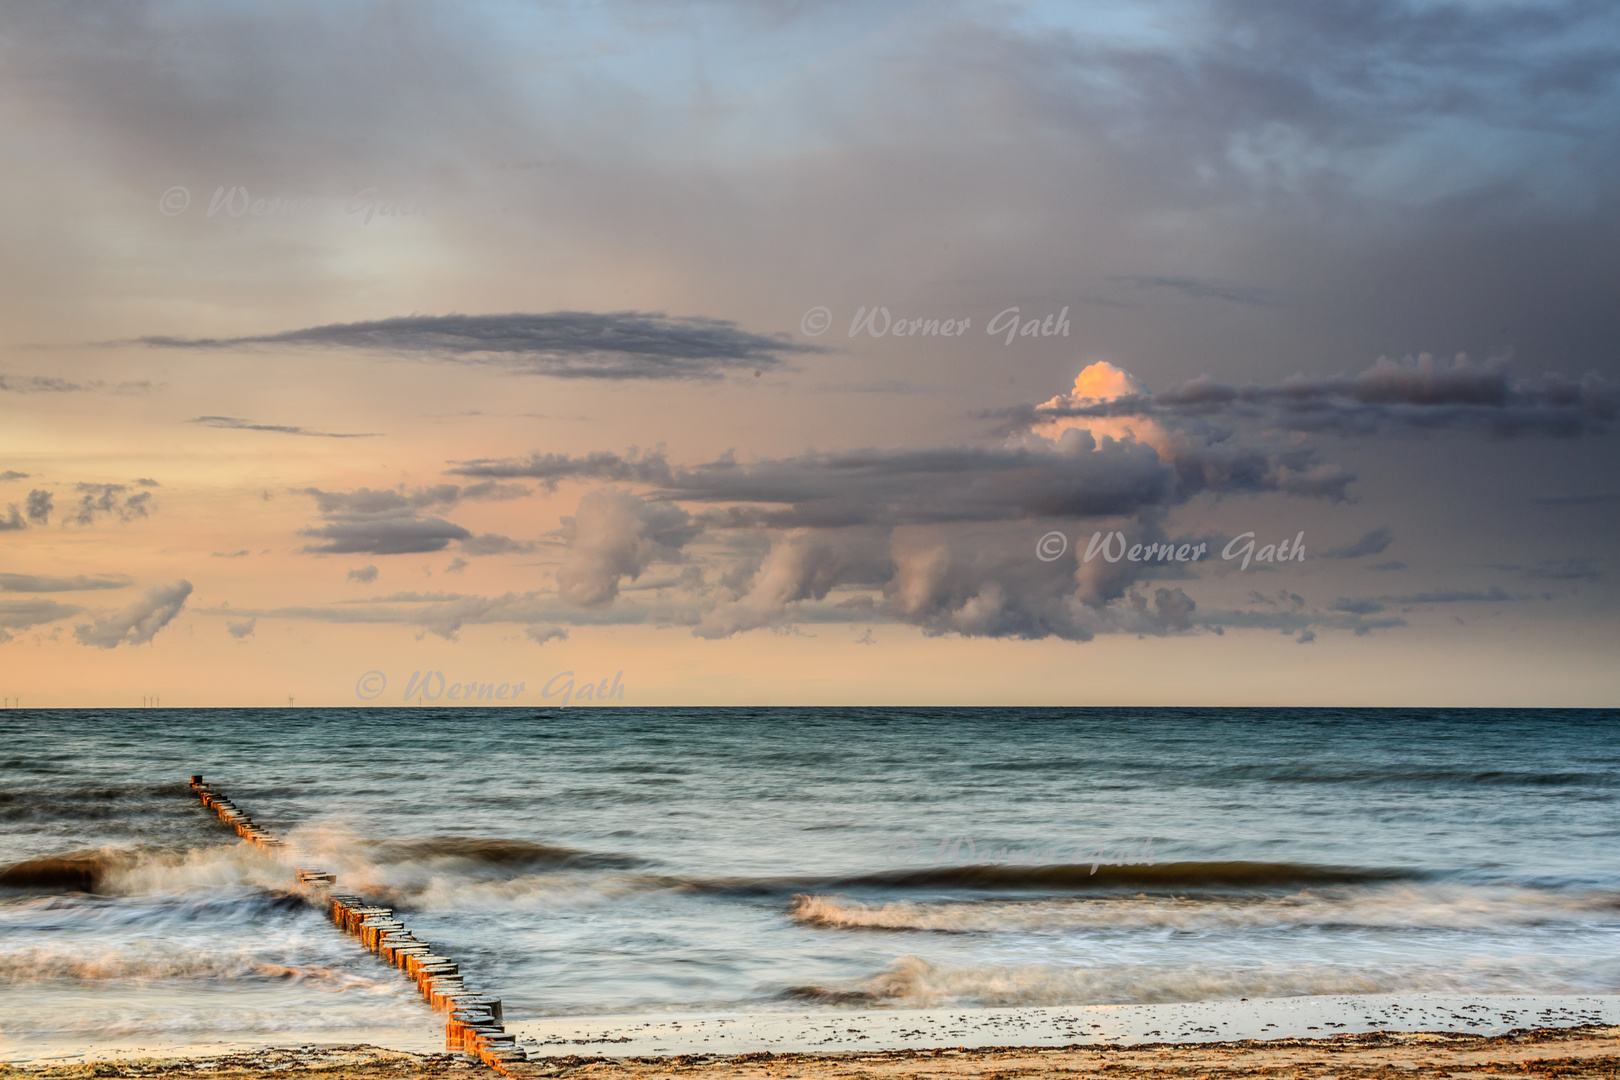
(1546, 1054)
(820, 1031)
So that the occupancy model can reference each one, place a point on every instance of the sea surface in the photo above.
(588, 862)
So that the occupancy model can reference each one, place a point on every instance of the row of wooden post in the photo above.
(473, 1020)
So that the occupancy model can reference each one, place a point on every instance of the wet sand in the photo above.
(1589, 1053)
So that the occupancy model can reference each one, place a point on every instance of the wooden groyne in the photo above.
(472, 1019)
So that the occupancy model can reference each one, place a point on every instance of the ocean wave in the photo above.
(912, 983)
(66, 873)
(1069, 877)
(1429, 907)
(480, 851)
(42, 964)
(145, 869)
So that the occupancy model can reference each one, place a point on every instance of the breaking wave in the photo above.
(1068, 877)
(130, 871)
(1436, 907)
(914, 983)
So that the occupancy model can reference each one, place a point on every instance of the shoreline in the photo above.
(813, 1030)
(1590, 1052)
(826, 1033)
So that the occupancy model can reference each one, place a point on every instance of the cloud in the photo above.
(23, 614)
(1371, 543)
(1291, 622)
(1073, 477)
(240, 630)
(1453, 596)
(365, 575)
(382, 534)
(385, 500)
(107, 499)
(13, 519)
(391, 522)
(140, 621)
(542, 634)
(444, 614)
(44, 384)
(939, 531)
(230, 554)
(1572, 569)
(550, 469)
(457, 565)
(237, 424)
(39, 506)
(13, 474)
(1576, 498)
(797, 568)
(614, 535)
(36, 583)
(495, 544)
(1205, 290)
(147, 481)
(1413, 395)
(562, 344)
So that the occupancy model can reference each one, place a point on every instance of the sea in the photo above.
(581, 862)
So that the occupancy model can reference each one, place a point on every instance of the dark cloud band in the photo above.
(563, 344)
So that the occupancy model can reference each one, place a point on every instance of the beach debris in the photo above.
(472, 1019)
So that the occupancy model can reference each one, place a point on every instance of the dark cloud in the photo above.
(39, 506)
(1392, 565)
(108, 499)
(563, 344)
(230, 554)
(147, 481)
(382, 534)
(240, 630)
(45, 384)
(12, 474)
(1576, 499)
(542, 634)
(444, 614)
(1453, 596)
(23, 614)
(140, 621)
(938, 531)
(37, 583)
(1074, 477)
(365, 575)
(550, 469)
(495, 544)
(1371, 543)
(237, 424)
(457, 565)
(388, 501)
(1415, 395)
(1205, 290)
(12, 519)
(1291, 622)
(1565, 570)
(391, 522)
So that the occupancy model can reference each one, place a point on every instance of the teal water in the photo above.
(616, 860)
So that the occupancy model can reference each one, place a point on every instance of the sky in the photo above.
(1209, 353)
